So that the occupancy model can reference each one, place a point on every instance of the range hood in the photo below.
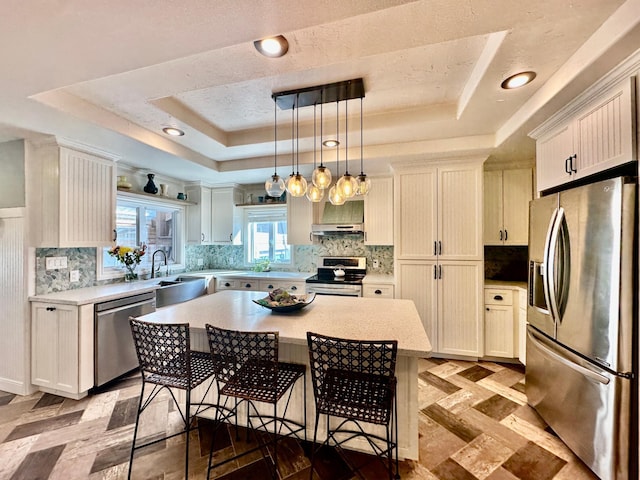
(341, 219)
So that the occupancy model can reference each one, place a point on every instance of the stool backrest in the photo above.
(233, 349)
(162, 348)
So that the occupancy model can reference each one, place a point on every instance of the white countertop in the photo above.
(505, 284)
(378, 278)
(367, 318)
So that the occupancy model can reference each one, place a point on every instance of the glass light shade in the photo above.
(348, 185)
(321, 177)
(274, 186)
(364, 184)
(314, 194)
(297, 185)
(335, 196)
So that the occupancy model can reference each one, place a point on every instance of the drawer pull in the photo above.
(270, 287)
(498, 297)
(51, 309)
(227, 284)
(293, 287)
(248, 285)
(378, 292)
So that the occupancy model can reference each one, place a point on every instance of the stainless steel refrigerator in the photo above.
(581, 371)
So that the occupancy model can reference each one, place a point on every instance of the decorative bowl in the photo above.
(301, 302)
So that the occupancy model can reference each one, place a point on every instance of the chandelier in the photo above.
(345, 186)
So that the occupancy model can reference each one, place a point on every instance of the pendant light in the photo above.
(314, 193)
(335, 194)
(297, 184)
(321, 176)
(364, 183)
(347, 183)
(274, 186)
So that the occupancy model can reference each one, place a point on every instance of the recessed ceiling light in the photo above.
(518, 80)
(331, 143)
(272, 46)
(173, 131)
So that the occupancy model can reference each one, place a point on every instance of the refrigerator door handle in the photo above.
(550, 264)
(545, 264)
(568, 363)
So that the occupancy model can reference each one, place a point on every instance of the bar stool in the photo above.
(167, 362)
(247, 370)
(355, 381)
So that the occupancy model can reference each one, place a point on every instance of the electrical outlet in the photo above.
(376, 263)
(200, 262)
(74, 276)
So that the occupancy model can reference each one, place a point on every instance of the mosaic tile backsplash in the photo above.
(213, 257)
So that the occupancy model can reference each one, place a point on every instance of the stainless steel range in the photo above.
(338, 276)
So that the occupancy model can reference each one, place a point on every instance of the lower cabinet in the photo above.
(237, 283)
(505, 319)
(448, 297)
(291, 287)
(375, 290)
(255, 284)
(62, 348)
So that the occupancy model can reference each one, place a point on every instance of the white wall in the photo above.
(12, 176)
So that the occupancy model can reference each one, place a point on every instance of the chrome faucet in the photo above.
(153, 263)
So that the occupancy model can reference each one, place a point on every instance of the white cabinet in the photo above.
(199, 216)
(289, 286)
(226, 218)
(507, 194)
(378, 212)
(74, 195)
(439, 251)
(592, 134)
(375, 290)
(448, 297)
(500, 324)
(300, 214)
(438, 212)
(522, 326)
(62, 348)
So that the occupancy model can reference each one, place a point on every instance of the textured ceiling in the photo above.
(111, 74)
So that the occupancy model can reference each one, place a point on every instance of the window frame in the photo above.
(275, 210)
(109, 273)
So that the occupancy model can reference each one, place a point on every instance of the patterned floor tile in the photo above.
(474, 424)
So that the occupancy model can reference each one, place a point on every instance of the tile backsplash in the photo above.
(213, 256)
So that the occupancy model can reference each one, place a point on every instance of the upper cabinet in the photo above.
(73, 189)
(507, 194)
(199, 215)
(378, 212)
(591, 135)
(438, 212)
(299, 219)
(226, 218)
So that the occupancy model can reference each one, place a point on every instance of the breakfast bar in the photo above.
(346, 317)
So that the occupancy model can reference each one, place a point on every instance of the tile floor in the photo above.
(474, 424)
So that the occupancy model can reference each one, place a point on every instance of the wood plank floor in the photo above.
(474, 424)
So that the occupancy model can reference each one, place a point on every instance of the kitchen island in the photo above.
(346, 317)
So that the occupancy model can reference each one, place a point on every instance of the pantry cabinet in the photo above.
(507, 194)
(378, 212)
(594, 133)
(199, 216)
(62, 348)
(439, 251)
(73, 191)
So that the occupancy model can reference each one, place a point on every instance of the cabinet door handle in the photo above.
(506, 235)
(439, 272)
(498, 297)
(500, 235)
(435, 272)
(311, 237)
(488, 309)
(51, 309)
(435, 248)
(439, 247)
(378, 292)
(572, 158)
(566, 165)
(230, 237)
(203, 237)
(115, 235)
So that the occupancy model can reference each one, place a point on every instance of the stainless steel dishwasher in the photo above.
(114, 352)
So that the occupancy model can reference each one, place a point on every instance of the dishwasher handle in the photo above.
(126, 307)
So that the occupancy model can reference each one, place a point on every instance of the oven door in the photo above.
(340, 290)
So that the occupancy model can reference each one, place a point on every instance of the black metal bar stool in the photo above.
(355, 381)
(247, 370)
(167, 362)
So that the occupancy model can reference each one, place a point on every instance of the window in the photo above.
(156, 224)
(266, 235)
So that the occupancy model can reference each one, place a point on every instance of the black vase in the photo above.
(150, 187)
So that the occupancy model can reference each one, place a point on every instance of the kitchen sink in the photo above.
(179, 290)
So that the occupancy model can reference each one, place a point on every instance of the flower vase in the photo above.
(150, 187)
(130, 273)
